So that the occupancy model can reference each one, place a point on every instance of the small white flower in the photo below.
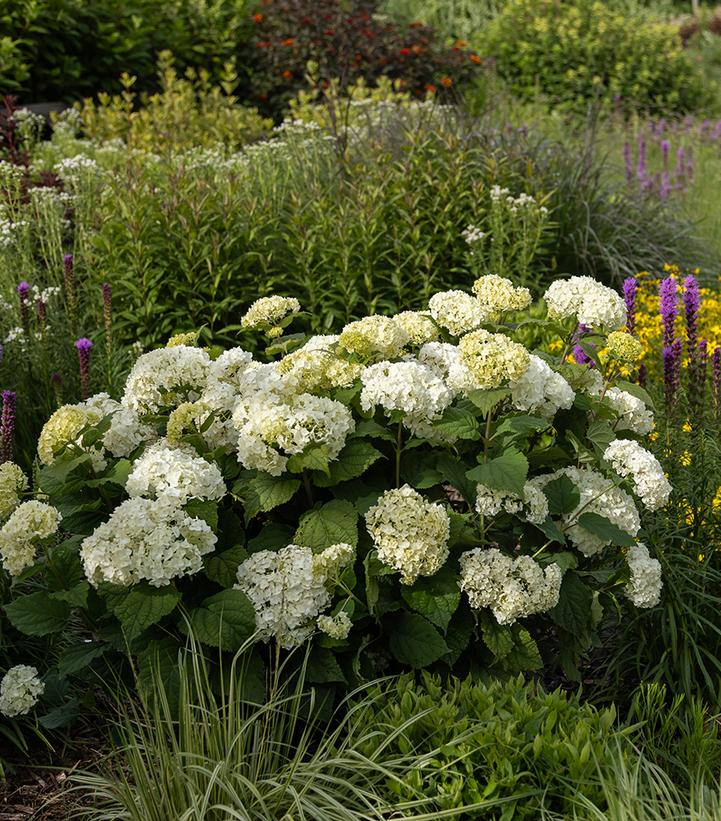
(20, 690)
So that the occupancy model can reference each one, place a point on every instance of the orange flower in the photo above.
(461, 43)
(474, 58)
(289, 42)
(258, 18)
(287, 74)
(446, 82)
(430, 87)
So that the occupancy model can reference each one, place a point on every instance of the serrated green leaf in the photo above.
(273, 491)
(222, 567)
(316, 457)
(506, 472)
(600, 526)
(76, 596)
(142, 606)
(637, 391)
(332, 523)
(497, 637)
(563, 496)
(79, 656)
(414, 641)
(600, 434)
(436, 597)
(573, 610)
(522, 425)
(323, 668)
(37, 614)
(60, 716)
(353, 461)
(524, 655)
(203, 509)
(457, 423)
(488, 400)
(225, 620)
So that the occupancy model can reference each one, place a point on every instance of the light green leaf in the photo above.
(435, 597)
(497, 637)
(353, 461)
(606, 530)
(488, 400)
(334, 522)
(273, 491)
(600, 434)
(225, 620)
(505, 472)
(315, 457)
(141, 607)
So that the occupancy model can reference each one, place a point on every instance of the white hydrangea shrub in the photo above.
(20, 690)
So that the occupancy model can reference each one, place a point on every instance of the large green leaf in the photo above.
(331, 523)
(316, 457)
(413, 640)
(600, 435)
(524, 655)
(563, 496)
(273, 491)
(225, 620)
(79, 656)
(488, 400)
(506, 472)
(497, 637)
(38, 614)
(457, 423)
(435, 597)
(222, 568)
(323, 667)
(144, 605)
(600, 526)
(573, 611)
(353, 461)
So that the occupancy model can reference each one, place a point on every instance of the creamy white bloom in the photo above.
(587, 301)
(165, 378)
(492, 359)
(30, 523)
(445, 360)
(176, 473)
(645, 585)
(270, 430)
(337, 627)
(20, 690)
(533, 505)
(498, 295)
(269, 311)
(511, 587)
(632, 412)
(13, 483)
(146, 539)
(628, 458)
(410, 387)
(457, 311)
(126, 432)
(418, 326)
(373, 337)
(541, 390)
(318, 365)
(597, 495)
(409, 532)
(67, 426)
(289, 589)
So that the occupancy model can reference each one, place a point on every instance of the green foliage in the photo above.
(582, 51)
(496, 740)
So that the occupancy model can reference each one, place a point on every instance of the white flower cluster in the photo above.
(492, 359)
(533, 505)
(498, 294)
(472, 234)
(409, 532)
(146, 539)
(289, 589)
(337, 627)
(411, 387)
(541, 390)
(587, 301)
(20, 690)
(13, 483)
(165, 378)
(373, 337)
(268, 311)
(457, 311)
(445, 360)
(511, 587)
(628, 458)
(597, 495)
(645, 585)
(270, 430)
(317, 366)
(33, 521)
(418, 326)
(174, 473)
(632, 413)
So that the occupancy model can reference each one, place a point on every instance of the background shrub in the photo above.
(581, 51)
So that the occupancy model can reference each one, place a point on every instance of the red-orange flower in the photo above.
(430, 87)
(287, 74)
(258, 18)
(446, 82)
(289, 42)
(474, 58)
(404, 52)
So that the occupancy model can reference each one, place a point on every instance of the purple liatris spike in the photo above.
(69, 280)
(579, 354)
(692, 305)
(83, 346)
(629, 297)
(641, 160)
(671, 371)
(7, 425)
(668, 306)
(23, 290)
(42, 315)
(665, 147)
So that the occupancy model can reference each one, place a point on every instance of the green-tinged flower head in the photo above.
(493, 359)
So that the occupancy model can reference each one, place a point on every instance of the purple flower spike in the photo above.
(629, 297)
(7, 425)
(692, 305)
(668, 306)
(627, 161)
(69, 280)
(665, 148)
(23, 290)
(83, 346)
(581, 357)
(641, 160)
(716, 380)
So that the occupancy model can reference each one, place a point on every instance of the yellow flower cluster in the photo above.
(623, 347)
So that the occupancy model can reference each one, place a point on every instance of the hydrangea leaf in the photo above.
(525, 654)
(574, 605)
(144, 605)
(38, 614)
(225, 620)
(435, 597)
(506, 472)
(353, 461)
(414, 641)
(600, 435)
(563, 496)
(331, 523)
(203, 509)
(497, 637)
(272, 491)
(457, 423)
(323, 668)
(79, 656)
(488, 400)
(222, 567)
(600, 526)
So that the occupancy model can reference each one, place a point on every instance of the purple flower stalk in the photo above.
(668, 306)
(42, 315)
(716, 380)
(7, 425)
(665, 147)
(69, 280)
(692, 305)
(627, 161)
(83, 346)
(641, 160)
(23, 290)
(629, 297)
(671, 372)
(581, 357)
